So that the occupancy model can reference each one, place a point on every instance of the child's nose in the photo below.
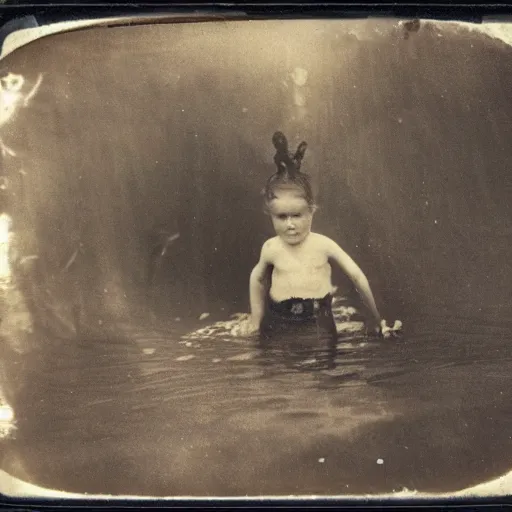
(289, 222)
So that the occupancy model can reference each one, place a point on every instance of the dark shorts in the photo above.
(301, 327)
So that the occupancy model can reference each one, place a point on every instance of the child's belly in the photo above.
(311, 284)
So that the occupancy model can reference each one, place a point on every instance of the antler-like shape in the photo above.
(284, 161)
(299, 154)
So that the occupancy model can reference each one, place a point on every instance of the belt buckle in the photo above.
(298, 308)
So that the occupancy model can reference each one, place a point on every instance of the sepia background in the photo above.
(138, 133)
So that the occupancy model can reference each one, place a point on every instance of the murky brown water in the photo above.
(428, 411)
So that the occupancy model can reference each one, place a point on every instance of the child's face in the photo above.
(291, 217)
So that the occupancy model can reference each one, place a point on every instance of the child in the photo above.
(301, 288)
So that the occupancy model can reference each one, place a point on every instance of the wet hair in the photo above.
(288, 175)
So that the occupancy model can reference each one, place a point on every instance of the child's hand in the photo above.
(247, 327)
(387, 331)
(384, 330)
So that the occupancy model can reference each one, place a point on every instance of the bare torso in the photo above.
(300, 271)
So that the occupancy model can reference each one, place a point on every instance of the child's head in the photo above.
(297, 185)
(288, 194)
(291, 215)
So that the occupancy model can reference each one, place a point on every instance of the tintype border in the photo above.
(16, 15)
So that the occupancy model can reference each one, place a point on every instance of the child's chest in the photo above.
(298, 261)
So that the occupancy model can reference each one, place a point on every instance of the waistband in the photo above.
(300, 309)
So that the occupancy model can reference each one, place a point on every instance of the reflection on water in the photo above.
(139, 412)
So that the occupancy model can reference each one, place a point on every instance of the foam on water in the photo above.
(229, 330)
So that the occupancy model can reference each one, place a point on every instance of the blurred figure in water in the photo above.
(298, 304)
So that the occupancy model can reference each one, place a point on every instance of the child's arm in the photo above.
(357, 276)
(257, 290)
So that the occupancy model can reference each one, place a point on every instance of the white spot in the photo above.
(204, 315)
(400, 120)
(6, 413)
(188, 344)
(299, 76)
(185, 358)
(245, 109)
(177, 319)
(149, 351)
(380, 461)
(321, 460)
(435, 222)
(247, 356)
(216, 360)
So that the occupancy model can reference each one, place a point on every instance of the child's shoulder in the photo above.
(270, 249)
(271, 244)
(321, 239)
(325, 244)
